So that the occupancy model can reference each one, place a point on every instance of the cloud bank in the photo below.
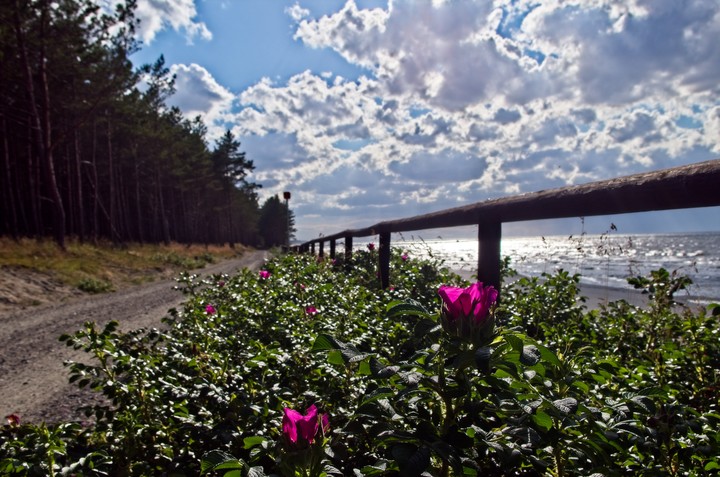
(464, 101)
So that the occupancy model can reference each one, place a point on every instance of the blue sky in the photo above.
(374, 110)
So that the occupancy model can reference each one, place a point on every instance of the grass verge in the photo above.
(97, 268)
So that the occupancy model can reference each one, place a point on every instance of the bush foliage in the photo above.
(556, 390)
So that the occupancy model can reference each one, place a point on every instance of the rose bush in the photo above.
(550, 389)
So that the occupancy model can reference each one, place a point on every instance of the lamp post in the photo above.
(286, 196)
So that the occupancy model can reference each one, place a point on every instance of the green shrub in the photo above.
(93, 285)
(555, 390)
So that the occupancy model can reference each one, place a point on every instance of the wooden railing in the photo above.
(694, 185)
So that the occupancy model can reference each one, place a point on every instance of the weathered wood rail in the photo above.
(691, 186)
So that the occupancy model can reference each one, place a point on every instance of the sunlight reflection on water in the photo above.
(606, 260)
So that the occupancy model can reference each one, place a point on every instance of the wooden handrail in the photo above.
(690, 186)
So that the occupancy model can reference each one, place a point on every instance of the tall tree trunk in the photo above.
(94, 182)
(111, 180)
(138, 203)
(165, 226)
(10, 186)
(41, 122)
(33, 184)
(69, 198)
(79, 189)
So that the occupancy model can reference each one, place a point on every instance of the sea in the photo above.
(605, 260)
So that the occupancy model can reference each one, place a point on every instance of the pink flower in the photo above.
(300, 430)
(210, 310)
(221, 284)
(13, 420)
(264, 274)
(371, 246)
(466, 312)
(311, 310)
(404, 257)
(474, 301)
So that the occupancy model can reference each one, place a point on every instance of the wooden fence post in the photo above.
(332, 249)
(489, 236)
(322, 248)
(384, 259)
(348, 252)
(312, 248)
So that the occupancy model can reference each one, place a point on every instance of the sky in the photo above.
(371, 110)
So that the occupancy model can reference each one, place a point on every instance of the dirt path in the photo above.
(34, 381)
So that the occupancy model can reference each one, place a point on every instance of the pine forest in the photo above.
(92, 150)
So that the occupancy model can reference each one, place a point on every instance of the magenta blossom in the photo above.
(13, 420)
(311, 310)
(371, 246)
(467, 312)
(210, 310)
(404, 257)
(264, 274)
(301, 430)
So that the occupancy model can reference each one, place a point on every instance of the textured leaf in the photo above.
(567, 405)
(381, 371)
(530, 355)
(411, 378)
(645, 403)
(219, 460)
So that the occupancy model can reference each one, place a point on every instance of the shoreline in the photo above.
(597, 295)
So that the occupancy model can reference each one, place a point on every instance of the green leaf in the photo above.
(542, 420)
(409, 307)
(325, 342)
(515, 342)
(219, 460)
(712, 465)
(582, 386)
(364, 368)
(252, 441)
(335, 357)
(549, 356)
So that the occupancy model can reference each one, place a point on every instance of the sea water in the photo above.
(606, 260)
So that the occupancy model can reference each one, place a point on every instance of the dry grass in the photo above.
(108, 263)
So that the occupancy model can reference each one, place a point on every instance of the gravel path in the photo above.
(33, 380)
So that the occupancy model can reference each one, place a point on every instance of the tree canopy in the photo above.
(90, 147)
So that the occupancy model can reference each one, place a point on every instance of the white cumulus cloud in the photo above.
(156, 15)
